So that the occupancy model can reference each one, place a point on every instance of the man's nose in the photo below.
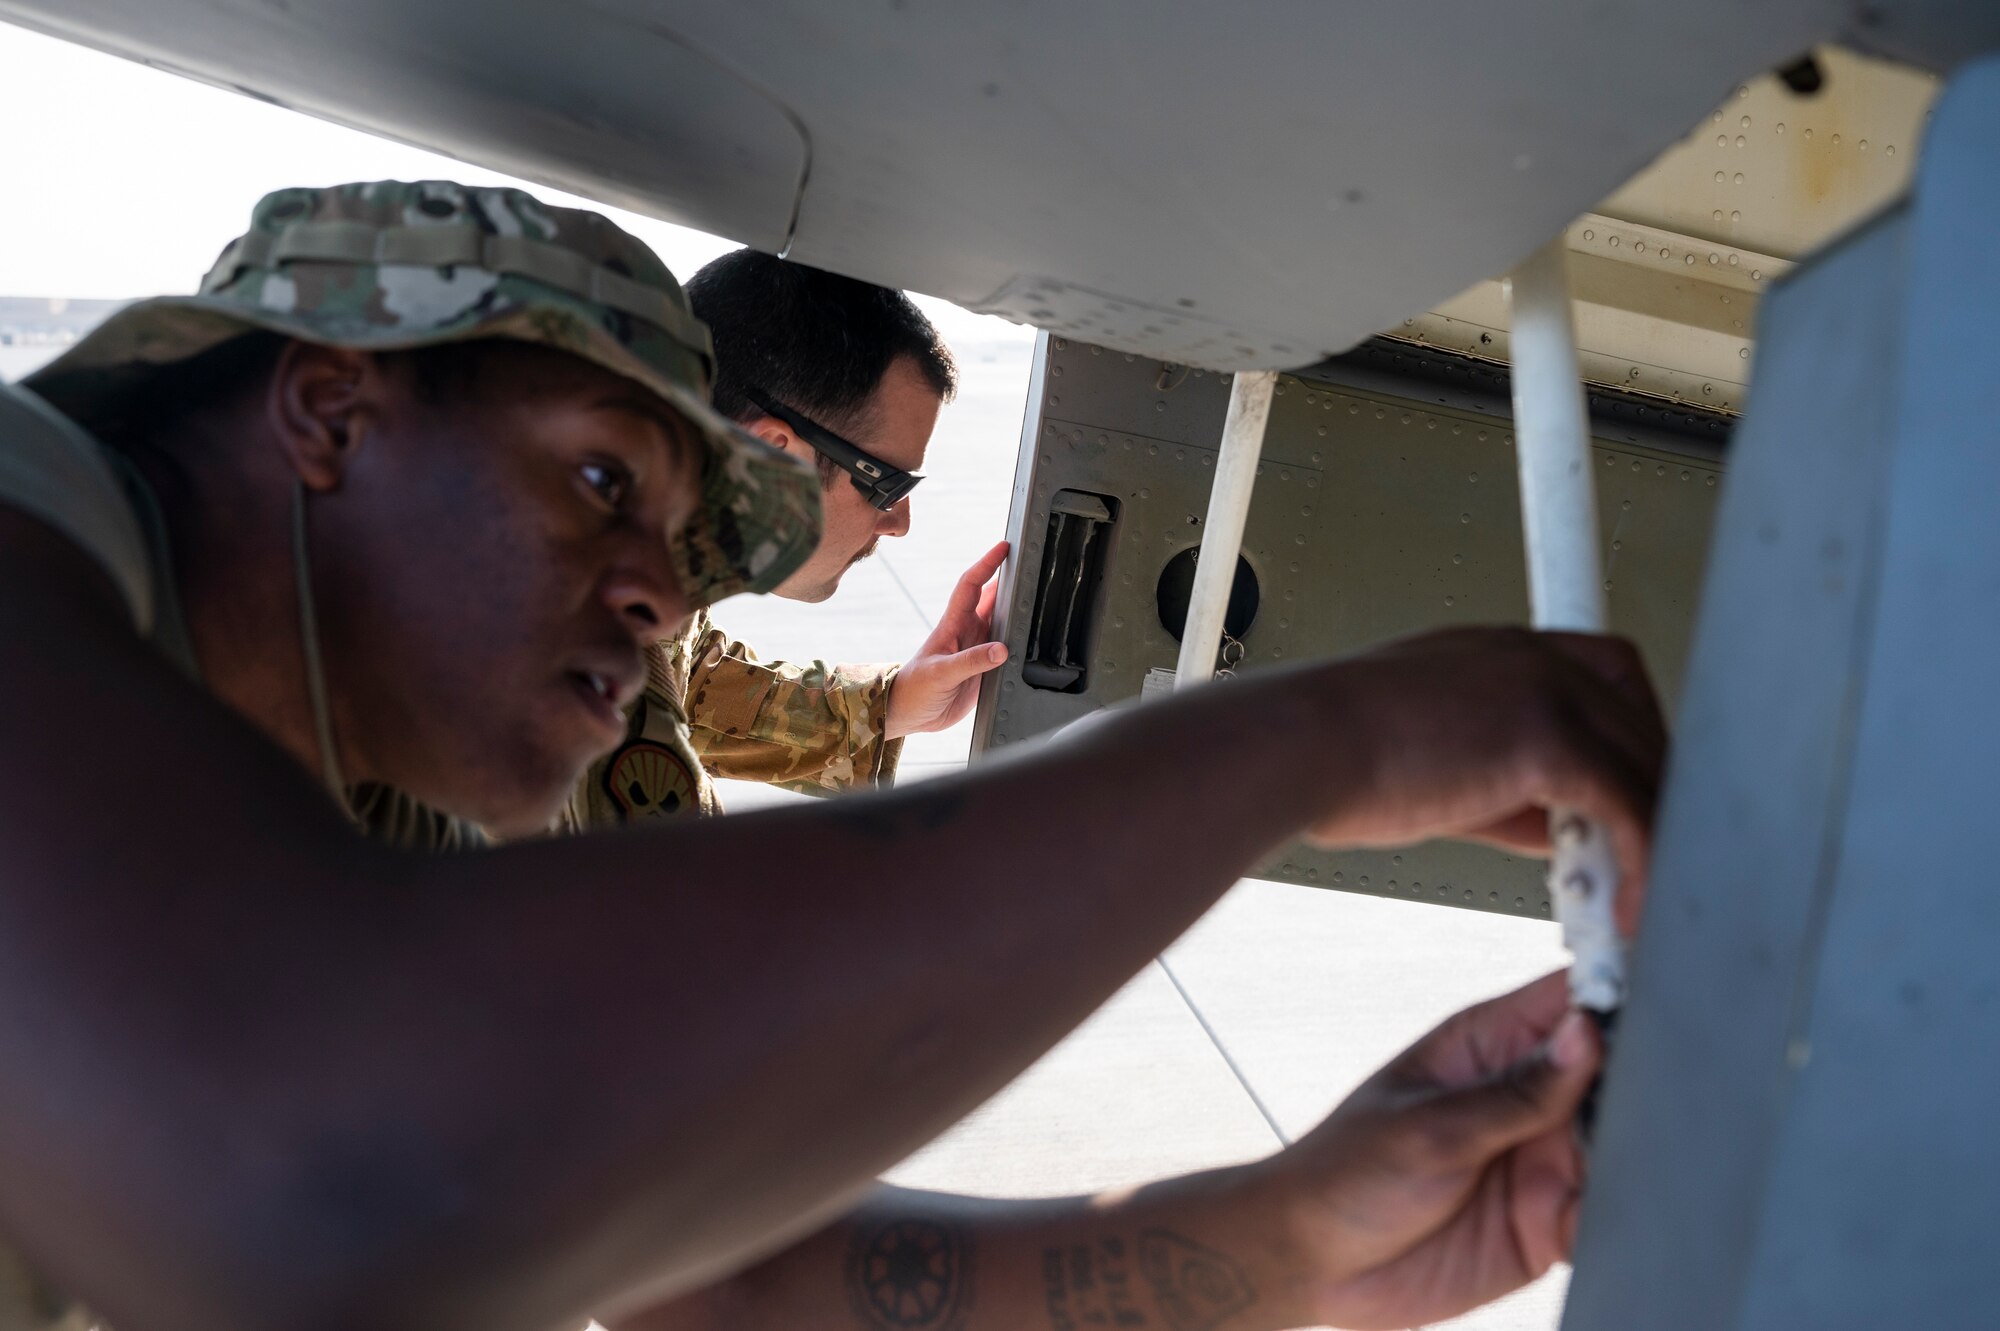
(645, 592)
(896, 522)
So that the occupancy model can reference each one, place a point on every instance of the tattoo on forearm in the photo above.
(1089, 1286)
(910, 1275)
(1198, 1288)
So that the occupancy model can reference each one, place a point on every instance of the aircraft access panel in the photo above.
(1386, 504)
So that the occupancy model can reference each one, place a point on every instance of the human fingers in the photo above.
(1616, 662)
(1544, 1186)
(1612, 658)
(1631, 848)
(1578, 770)
(1606, 762)
(1591, 774)
(1596, 683)
(968, 611)
(951, 670)
(950, 682)
(974, 661)
(965, 595)
(1472, 732)
(1477, 1043)
(1468, 1127)
(1525, 832)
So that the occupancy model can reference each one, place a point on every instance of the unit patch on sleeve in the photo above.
(649, 780)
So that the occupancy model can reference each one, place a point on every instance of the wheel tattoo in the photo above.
(910, 1275)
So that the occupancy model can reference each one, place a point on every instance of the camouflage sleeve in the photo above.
(814, 728)
(389, 815)
(29, 1303)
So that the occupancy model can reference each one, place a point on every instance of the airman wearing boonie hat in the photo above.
(405, 492)
(392, 266)
(386, 266)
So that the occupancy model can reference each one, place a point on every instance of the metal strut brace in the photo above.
(1222, 530)
(1208, 606)
(1565, 588)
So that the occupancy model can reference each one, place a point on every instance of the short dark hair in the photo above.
(816, 341)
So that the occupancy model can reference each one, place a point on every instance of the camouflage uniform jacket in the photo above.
(712, 709)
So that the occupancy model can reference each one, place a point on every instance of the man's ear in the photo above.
(779, 436)
(321, 403)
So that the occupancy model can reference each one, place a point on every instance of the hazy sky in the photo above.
(118, 180)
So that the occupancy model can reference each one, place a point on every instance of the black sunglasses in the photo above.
(882, 485)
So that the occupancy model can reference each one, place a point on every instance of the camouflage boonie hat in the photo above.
(393, 265)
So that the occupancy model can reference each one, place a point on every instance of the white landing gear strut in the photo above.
(1565, 589)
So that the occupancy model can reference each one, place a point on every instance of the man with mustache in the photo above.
(849, 377)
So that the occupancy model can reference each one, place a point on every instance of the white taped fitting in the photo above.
(1583, 884)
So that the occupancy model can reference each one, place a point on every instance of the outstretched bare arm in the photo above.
(1182, 1255)
(256, 1071)
(1450, 1178)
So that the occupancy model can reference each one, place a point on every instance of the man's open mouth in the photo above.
(600, 695)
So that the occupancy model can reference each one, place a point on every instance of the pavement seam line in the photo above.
(1270, 1119)
(903, 587)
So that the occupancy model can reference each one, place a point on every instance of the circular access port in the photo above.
(1177, 584)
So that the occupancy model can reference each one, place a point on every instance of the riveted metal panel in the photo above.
(1668, 271)
(1783, 172)
(1386, 504)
